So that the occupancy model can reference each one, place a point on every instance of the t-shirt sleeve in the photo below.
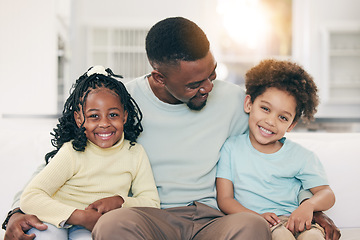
(239, 124)
(312, 173)
(224, 164)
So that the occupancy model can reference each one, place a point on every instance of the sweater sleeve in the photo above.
(37, 196)
(16, 201)
(143, 187)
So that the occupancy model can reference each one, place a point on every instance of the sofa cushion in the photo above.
(340, 155)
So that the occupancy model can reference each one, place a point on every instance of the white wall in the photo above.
(310, 17)
(113, 13)
(29, 32)
(28, 57)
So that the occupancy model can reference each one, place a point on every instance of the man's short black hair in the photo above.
(176, 39)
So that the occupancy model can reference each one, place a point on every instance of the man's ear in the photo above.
(78, 119)
(158, 77)
(291, 126)
(247, 104)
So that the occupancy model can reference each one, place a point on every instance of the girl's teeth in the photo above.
(265, 130)
(104, 135)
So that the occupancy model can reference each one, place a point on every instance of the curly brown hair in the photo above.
(286, 76)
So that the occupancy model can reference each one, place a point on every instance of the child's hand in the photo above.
(271, 218)
(300, 219)
(105, 205)
(91, 216)
(86, 218)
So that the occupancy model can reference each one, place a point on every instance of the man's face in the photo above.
(191, 81)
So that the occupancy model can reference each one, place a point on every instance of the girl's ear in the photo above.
(247, 104)
(125, 116)
(291, 126)
(78, 118)
(158, 77)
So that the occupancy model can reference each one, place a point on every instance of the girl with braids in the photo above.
(262, 172)
(96, 163)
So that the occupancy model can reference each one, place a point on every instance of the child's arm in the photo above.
(46, 184)
(225, 197)
(86, 218)
(107, 204)
(143, 187)
(228, 204)
(301, 218)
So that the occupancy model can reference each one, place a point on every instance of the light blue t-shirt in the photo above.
(184, 145)
(269, 182)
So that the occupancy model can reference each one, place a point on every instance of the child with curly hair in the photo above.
(262, 172)
(96, 163)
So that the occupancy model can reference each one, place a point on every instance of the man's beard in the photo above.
(194, 107)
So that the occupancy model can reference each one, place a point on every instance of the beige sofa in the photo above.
(340, 155)
(25, 142)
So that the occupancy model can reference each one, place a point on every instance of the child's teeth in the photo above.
(265, 130)
(104, 135)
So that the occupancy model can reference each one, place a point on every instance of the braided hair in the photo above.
(67, 129)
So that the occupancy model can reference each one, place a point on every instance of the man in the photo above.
(187, 117)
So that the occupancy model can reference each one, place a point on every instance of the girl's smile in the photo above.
(103, 117)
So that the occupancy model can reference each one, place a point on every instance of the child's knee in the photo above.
(52, 232)
(312, 234)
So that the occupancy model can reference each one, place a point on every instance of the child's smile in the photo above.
(271, 115)
(104, 117)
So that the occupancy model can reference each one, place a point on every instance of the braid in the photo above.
(67, 129)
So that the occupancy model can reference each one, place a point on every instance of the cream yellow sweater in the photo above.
(73, 180)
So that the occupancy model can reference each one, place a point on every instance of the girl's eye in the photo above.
(265, 109)
(93, 116)
(114, 114)
(283, 118)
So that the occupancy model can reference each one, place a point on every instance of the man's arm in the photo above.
(331, 231)
(17, 223)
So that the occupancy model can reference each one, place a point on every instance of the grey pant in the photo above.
(196, 222)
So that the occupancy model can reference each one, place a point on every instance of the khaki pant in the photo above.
(196, 222)
(280, 232)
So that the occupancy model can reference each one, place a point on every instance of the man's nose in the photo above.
(206, 87)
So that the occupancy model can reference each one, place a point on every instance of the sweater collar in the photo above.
(93, 147)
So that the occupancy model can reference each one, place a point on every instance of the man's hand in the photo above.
(105, 205)
(331, 231)
(20, 223)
